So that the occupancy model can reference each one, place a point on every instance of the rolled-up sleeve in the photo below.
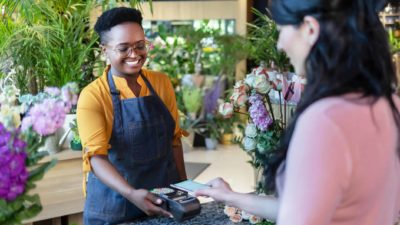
(92, 126)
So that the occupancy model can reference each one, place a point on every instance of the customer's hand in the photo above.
(219, 190)
(147, 202)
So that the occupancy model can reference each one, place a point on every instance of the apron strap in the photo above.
(148, 84)
(115, 95)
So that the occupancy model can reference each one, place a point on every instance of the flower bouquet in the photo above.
(237, 215)
(20, 139)
(264, 96)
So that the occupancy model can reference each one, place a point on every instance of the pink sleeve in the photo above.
(317, 171)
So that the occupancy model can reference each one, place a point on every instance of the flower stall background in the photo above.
(36, 53)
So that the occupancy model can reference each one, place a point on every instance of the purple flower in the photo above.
(13, 174)
(45, 118)
(258, 112)
(255, 98)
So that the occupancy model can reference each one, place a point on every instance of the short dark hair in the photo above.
(116, 16)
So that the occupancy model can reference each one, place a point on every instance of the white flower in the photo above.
(245, 215)
(272, 75)
(237, 218)
(226, 109)
(239, 99)
(251, 130)
(249, 143)
(261, 84)
(249, 81)
(240, 86)
(254, 219)
(10, 116)
(229, 210)
(9, 95)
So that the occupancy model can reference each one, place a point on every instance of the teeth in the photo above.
(132, 63)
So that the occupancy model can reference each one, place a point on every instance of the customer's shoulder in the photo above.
(338, 106)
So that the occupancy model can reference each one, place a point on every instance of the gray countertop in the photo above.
(212, 213)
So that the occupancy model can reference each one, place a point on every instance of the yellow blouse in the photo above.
(95, 110)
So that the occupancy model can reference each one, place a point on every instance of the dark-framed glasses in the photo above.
(125, 50)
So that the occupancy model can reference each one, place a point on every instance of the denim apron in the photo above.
(141, 151)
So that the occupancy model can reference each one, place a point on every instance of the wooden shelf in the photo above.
(60, 190)
(63, 155)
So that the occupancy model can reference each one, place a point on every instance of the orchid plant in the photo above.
(20, 139)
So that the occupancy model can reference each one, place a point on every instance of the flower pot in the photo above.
(211, 143)
(50, 144)
(227, 139)
(76, 146)
(187, 142)
(65, 131)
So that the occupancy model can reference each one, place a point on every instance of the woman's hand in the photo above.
(147, 202)
(219, 190)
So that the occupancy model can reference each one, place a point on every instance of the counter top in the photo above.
(211, 213)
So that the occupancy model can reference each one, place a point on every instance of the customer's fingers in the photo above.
(215, 182)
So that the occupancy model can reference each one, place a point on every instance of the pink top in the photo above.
(342, 166)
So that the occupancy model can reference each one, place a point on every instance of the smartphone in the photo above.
(189, 186)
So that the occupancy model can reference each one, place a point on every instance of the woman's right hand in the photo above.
(147, 202)
(219, 190)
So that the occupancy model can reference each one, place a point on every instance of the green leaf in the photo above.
(38, 172)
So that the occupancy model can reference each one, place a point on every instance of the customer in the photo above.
(339, 158)
(128, 123)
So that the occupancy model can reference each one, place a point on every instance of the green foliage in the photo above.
(265, 223)
(172, 56)
(108, 4)
(50, 44)
(192, 99)
(231, 49)
(263, 36)
(394, 42)
(74, 129)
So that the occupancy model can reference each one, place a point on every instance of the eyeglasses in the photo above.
(139, 48)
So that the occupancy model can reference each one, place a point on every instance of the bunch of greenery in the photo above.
(74, 129)
(231, 49)
(49, 43)
(192, 99)
(108, 4)
(394, 42)
(263, 36)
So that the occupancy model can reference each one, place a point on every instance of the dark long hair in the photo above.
(351, 55)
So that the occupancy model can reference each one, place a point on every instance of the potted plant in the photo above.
(226, 126)
(75, 142)
(209, 129)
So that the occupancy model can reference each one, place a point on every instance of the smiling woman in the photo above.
(127, 120)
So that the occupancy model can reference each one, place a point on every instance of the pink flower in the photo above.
(229, 210)
(236, 218)
(239, 99)
(52, 91)
(226, 109)
(240, 87)
(45, 118)
(254, 219)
